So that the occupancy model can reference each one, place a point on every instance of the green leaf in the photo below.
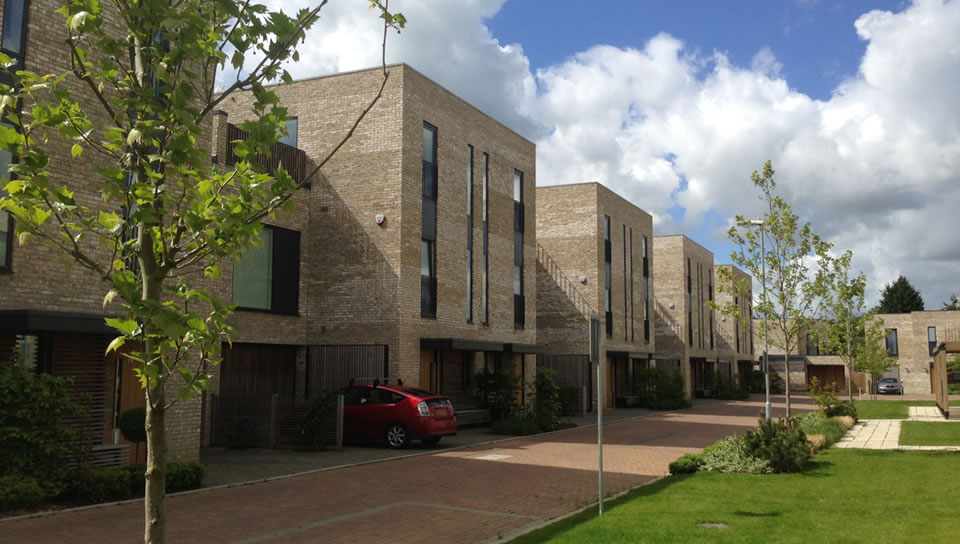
(76, 150)
(115, 344)
(184, 394)
(108, 298)
(125, 326)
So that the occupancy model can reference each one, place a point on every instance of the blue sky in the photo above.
(674, 104)
(814, 40)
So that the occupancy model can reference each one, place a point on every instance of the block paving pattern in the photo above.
(467, 495)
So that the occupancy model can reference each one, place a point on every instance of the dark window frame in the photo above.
(931, 344)
(428, 220)
(469, 220)
(519, 301)
(607, 279)
(285, 280)
(24, 28)
(485, 288)
(893, 348)
(6, 264)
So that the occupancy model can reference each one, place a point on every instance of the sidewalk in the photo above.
(884, 434)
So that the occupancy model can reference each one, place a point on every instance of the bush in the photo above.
(844, 408)
(20, 492)
(731, 455)
(666, 389)
(517, 425)
(36, 442)
(780, 443)
(818, 424)
(953, 389)
(687, 464)
(569, 400)
(497, 391)
(95, 485)
(545, 399)
(184, 476)
(132, 425)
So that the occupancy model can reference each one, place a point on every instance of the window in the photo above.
(291, 127)
(14, 29)
(485, 264)
(268, 277)
(646, 293)
(630, 253)
(892, 343)
(813, 348)
(6, 220)
(626, 304)
(428, 245)
(931, 339)
(689, 306)
(736, 324)
(607, 254)
(519, 306)
(469, 233)
(710, 299)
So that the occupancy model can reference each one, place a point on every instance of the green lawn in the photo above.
(887, 409)
(844, 496)
(929, 433)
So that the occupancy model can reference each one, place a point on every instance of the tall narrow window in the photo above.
(428, 245)
(689, 306)
(700, 305)
(519, 306)
(626, 327)
(892, 348)
(736, 324)
(485, 264)
(469, 233)
(931, 339)
(6, 220)
(632, 320)
(14, 30)
(607, 254)
(710, 299)
(646, 293)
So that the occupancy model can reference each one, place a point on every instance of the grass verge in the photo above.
(929, 433)
(834, 500)
(887, 409)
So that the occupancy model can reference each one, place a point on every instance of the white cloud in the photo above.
(876, 167)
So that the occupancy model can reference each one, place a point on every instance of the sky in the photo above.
(674, 104)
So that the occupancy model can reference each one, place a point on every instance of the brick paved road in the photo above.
(455, 496)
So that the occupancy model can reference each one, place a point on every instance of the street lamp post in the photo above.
(766, 360)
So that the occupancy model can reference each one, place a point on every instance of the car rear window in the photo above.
(417, 392)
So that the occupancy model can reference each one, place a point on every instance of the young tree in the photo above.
(900, 297)
(792, 292)
(874, 357)
(841, 330)
(140, 88)
(953, 303)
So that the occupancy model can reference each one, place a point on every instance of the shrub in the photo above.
(666, 389)
(817, 442)
(497, 391)
(184, 476)
(780, 443)
(132, 425)
(545, 399)
(687, 464)
(20, 492)
(569, 400)
(517, 424)
(731, 455)
(36, 442)
(953, 389)
(847, 421)
(844, 408)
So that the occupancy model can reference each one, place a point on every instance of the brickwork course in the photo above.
(570, 230)
(467, 495)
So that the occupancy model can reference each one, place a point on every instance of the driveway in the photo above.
(465, 495)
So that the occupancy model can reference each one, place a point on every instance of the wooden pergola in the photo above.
(941, 354)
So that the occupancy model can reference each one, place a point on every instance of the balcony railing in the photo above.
(293, 160)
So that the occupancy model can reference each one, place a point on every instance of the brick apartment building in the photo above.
(594, 258)
(416, 257)
(911, 338)
(734, 339)
(685, 325)
(52, 314)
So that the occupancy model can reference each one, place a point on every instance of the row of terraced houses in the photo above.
(423, 251)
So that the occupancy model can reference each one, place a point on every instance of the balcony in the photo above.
(293, 160)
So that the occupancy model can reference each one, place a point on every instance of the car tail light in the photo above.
(423, 409)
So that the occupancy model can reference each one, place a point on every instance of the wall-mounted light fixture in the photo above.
(381, 219)
(583, 280)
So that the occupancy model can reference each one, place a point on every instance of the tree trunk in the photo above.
(154, 501)
(786, 387)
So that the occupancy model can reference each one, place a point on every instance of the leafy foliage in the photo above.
(545, 399)
(874, 357)
(497, 391)
(781, 443)
(790, 262)
(900, 297)
(316, 423)
(132, 424)
(36, 440)
(17, 491)
(952, 304)
(732, 455)
(140, 88)
(569, 396)
(666, 390)
(688, 463)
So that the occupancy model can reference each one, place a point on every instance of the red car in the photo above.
(396, 414)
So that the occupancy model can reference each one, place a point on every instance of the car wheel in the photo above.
(397, 436)
(430, 440)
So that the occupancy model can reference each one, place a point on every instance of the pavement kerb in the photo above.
(533, 526)
(46, 513)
